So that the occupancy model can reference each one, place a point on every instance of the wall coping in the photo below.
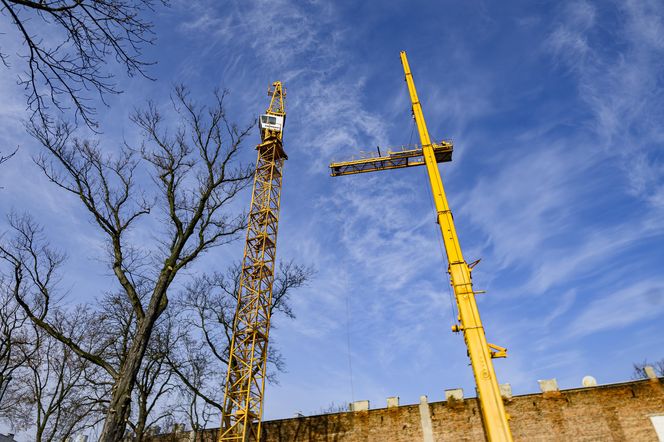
(516, 396)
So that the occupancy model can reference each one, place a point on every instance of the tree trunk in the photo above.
(120, 404)
(140, 430)
(119, 408)
(142, 417)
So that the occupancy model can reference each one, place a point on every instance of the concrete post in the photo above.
(506, 391)
(359, 406)
(650, 372)
(548, 385)
(455, 394)
(425, 420)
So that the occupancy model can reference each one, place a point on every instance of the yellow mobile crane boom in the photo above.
(479, 350)
(245, 377)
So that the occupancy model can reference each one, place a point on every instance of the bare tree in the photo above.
(206, 314)
(56, 388)
(13, 338)
(154, 385)
(48, 393)
(198, 402)
(115, 319)
(640, 369)
(4, 158)
(67, 44)
(333, 408)
(196, 175)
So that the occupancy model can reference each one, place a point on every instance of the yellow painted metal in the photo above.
(495, 418)
(393, 160)
(245, 378)
(493, 409)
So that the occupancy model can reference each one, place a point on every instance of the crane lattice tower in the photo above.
(245, 378)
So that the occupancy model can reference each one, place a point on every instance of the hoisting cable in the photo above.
(412, 130)
(453, 319)
(350, 361)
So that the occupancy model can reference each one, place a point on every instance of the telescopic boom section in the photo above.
(245, 378)
(480, 351)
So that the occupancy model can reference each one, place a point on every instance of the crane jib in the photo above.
(495, 418)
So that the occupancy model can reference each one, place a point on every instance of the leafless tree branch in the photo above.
(197, 174)
(61, 72)
(206, 313)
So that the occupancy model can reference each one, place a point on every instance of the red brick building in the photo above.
(627, 411)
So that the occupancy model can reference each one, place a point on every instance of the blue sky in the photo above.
(557, 182)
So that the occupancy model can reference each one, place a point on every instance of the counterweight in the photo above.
(245, 379)
(479, 350)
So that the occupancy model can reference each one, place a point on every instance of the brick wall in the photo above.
(617, 412)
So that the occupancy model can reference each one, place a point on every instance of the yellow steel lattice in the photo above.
(245, 379)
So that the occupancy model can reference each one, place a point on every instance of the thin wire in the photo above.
(442, 253)
(453, 319)
(350, 361)
(412, 129)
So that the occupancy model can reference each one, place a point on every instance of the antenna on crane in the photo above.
(479, 350)
(245, 377)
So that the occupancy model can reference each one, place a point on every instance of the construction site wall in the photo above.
(616, 412)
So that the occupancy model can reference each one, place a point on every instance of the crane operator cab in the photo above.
(271, 122)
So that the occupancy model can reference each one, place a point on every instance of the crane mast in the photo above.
(494, 417)
(245, 376)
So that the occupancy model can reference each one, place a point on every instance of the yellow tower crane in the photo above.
(479, 350)
(245, 377)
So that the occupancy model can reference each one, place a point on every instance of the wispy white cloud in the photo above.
(622, 87)
(527, 201)
(532, 222)
(337, 118)
(564, 216)
(568, 39)
(275, 31)
(592, 253)
(627, 306)
(206, 21)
